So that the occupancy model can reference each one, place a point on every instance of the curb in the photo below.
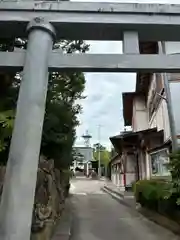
(63, 227)
(160, 220)
(113, 191)
(119, 197)
(150, 215)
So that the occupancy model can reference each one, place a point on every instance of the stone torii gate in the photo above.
(43, 22)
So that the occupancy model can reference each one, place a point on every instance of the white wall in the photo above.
(117, 177)
(140, 117)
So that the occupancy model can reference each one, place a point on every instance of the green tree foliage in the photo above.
(104, 154)
(61, 116)
(9, 88)
(6, 126)
(174, 168)
(64, 89)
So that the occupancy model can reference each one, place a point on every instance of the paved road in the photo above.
(96, 216)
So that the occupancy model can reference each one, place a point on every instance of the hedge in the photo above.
(152, 194)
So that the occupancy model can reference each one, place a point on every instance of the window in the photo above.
(157, 90)
(158, 163)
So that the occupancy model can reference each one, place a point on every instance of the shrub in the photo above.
(159, 194)
(174, 167)
(153, 194)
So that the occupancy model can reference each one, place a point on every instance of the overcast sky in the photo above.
(103, 104)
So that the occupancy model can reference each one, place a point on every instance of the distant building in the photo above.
(83, 156)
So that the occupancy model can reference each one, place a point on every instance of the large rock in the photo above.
(49, 200)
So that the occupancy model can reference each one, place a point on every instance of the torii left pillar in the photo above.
(21, 173)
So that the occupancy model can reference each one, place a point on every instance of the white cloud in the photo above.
(103, 104)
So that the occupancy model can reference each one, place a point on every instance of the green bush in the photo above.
(153, 194)
(162, 195)
(174, 168)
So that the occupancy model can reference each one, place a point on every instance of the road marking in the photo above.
(88, 193)
(80, 193)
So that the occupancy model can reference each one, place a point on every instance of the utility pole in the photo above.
(99, 151)
(169, 105)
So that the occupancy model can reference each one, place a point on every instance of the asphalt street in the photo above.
(96, 216)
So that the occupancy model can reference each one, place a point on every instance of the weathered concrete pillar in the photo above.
(21, 173)
(148, 166)
(130, 42)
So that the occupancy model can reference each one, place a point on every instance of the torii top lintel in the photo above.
(93, 21)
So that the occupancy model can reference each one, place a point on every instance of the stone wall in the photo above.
(49, 199)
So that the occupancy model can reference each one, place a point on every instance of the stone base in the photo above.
(46, 232)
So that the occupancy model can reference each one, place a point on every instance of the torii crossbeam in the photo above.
(42, 22)
(93, 21)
